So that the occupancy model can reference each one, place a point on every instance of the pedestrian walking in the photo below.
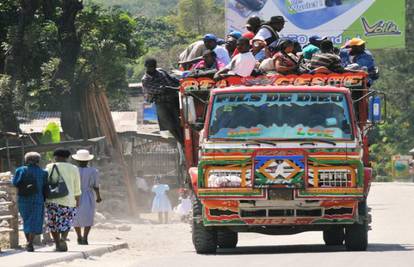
(161, 204)
(85, 214)
(30, 181)
(61, 209)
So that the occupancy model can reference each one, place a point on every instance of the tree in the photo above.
(199, 16)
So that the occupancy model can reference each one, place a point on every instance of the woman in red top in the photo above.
(285, 61)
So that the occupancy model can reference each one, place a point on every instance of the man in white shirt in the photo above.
(269, 31)
(210, 42)
(242, 64)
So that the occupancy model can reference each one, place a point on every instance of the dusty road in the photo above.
(391, 242)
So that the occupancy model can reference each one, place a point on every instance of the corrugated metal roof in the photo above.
(36, 122)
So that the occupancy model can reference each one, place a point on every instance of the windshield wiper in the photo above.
(255, 141)
(310, 141)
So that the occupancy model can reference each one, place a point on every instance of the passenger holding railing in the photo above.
(285, 60)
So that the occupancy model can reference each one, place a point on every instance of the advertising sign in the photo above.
(150, 113)
(401, 165)
(380, 22)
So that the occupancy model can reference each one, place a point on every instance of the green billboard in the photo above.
(380, 22)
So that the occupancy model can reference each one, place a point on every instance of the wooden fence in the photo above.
(9, 220)
(156, 163)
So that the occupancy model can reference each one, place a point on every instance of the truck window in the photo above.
(280, 116)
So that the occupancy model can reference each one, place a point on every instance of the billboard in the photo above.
(380, 22)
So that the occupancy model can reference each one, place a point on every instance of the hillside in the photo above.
(153, 8)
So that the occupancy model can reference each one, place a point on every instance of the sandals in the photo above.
(29, 248)
(83, 241)
(61, 246)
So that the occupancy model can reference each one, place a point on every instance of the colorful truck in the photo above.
(279, 155)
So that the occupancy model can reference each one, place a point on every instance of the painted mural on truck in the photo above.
(380, 22)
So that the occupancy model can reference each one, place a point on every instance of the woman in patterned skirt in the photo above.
(60, 211)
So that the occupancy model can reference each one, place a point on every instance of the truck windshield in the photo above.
(280, 116)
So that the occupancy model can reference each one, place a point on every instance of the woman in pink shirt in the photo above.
(209, 61)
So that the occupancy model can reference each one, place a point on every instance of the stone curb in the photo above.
(81, 255)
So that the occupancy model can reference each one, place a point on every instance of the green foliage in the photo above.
(158, 8)
(109, 44)
(6, 102)
(396, 136)
(199, 17)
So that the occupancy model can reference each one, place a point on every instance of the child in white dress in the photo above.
(161, 203)
(184, 207)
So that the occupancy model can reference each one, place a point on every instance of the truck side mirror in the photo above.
(374, 113)
(189, 110)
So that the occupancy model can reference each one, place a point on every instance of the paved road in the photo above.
(391, 241)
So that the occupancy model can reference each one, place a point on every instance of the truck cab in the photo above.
(278, 155)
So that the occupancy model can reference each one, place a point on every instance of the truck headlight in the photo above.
(221, 178)
(340, 177)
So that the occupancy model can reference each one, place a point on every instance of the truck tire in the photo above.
(227, 239)
(334, 236)
(356, 235)
(329, 3)
(204, 238)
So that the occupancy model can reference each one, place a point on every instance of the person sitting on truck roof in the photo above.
(210, 42)
(326, 59)
(209, 62)
(354, 52)
(231, 42)
(191, 54)
(159, 88)
(242, 64)
(285, 61)
(253, 24)
(313, 47)
(269, 32)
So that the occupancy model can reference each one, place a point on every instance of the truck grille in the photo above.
(269, 212)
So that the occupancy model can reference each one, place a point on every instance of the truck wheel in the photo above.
(204, 238)
(227, 239)
(329, 3)
(356, 235)
(334, 236)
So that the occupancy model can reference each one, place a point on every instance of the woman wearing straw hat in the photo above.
(89, 183)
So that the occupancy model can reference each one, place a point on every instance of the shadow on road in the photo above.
(310, 249)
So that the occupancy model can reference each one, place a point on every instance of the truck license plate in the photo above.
(281, 194)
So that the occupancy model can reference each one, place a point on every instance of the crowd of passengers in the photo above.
(260, 50)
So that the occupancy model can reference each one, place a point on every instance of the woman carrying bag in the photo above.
(30, 181)
(62, 197)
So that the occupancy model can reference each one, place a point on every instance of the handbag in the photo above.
(27, 186)
(56, 189)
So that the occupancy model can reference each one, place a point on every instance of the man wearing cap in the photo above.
(354, 52)
(312, 47)
(253, 24)
(210, 42)
(231, 42)
(269, 31)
